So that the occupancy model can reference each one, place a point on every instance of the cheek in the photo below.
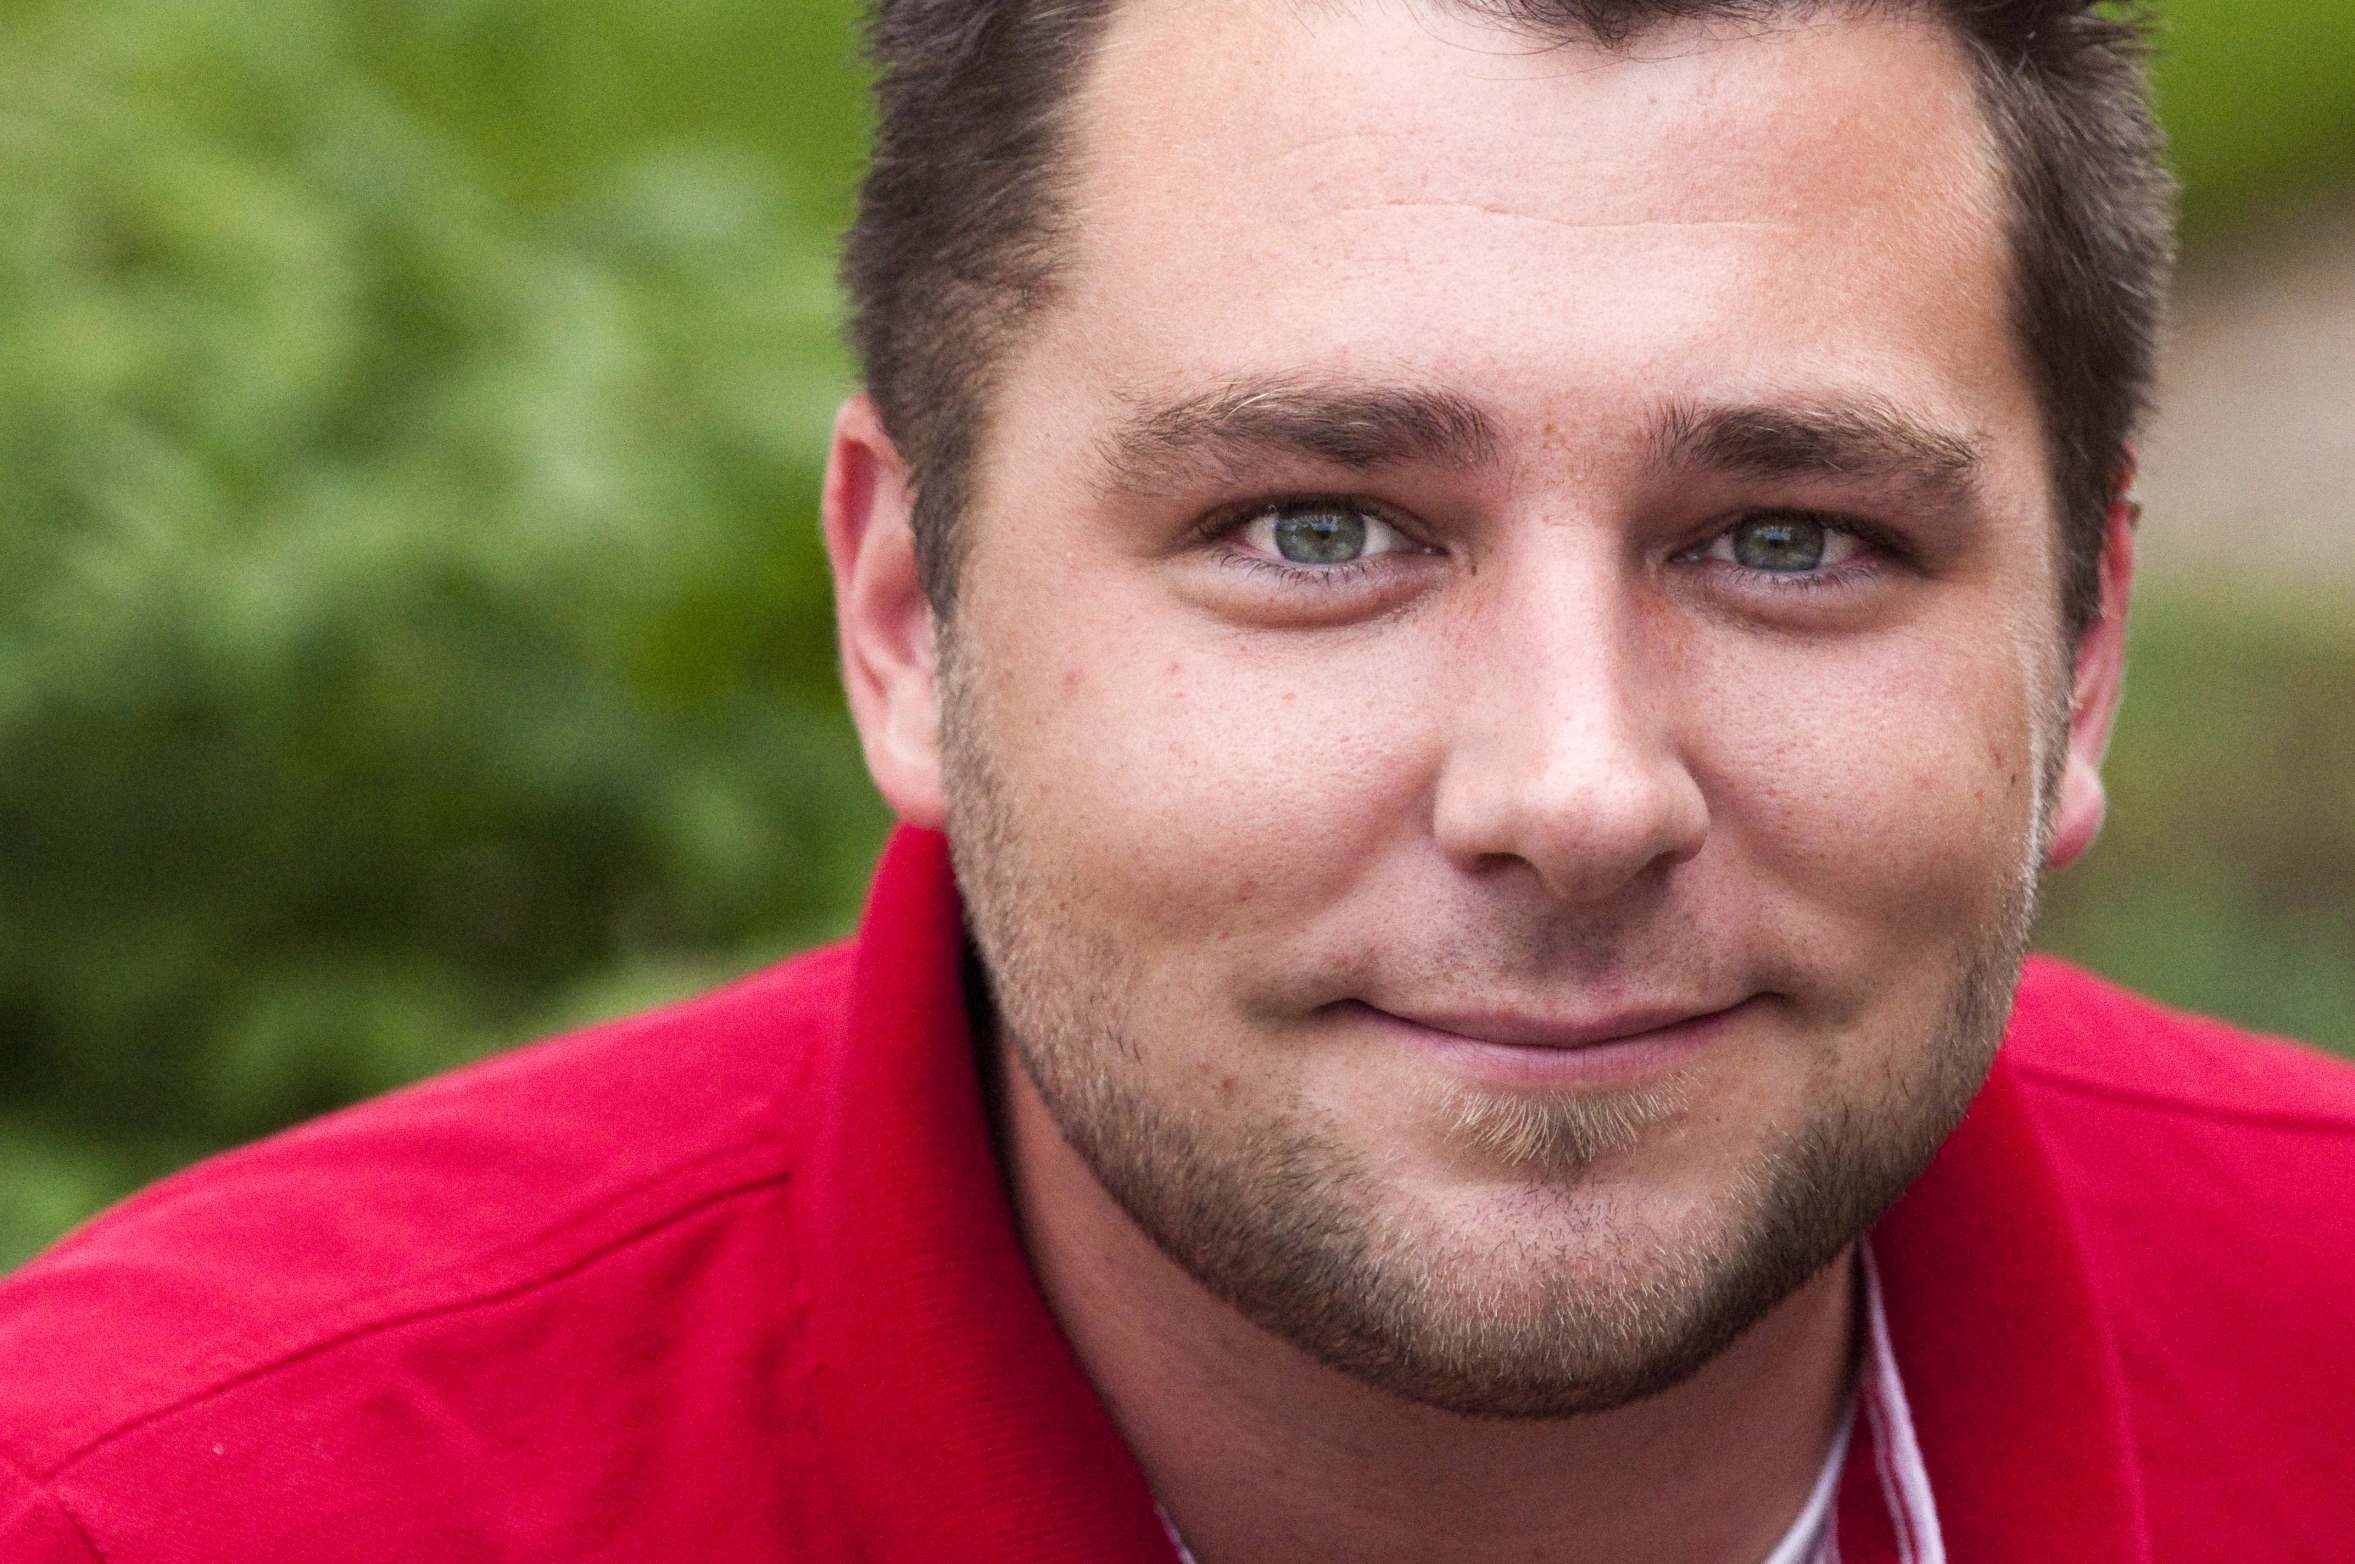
(1887, 786)
(1188, 784)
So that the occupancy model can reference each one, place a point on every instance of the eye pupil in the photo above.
(1320, 537)
(1779, 543)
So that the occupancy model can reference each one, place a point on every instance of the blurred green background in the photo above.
(413, 636)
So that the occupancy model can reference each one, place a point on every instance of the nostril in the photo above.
(1587, 833)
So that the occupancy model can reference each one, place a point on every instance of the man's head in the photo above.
(1516, 656)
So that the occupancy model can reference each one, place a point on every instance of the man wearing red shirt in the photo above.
(1483, 616)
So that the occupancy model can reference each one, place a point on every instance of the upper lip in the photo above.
(1524, 1029)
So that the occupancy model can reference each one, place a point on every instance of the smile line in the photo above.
(1521, 1031)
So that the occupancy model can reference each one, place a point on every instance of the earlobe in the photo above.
(2093, 701)
(883, 622)
(2078, 816)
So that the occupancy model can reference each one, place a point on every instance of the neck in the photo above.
(1257, 1451)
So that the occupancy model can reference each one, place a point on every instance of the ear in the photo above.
(881, 616)
(2093, 704)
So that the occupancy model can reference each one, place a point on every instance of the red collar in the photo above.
(963, 1428)
(2014, 1381)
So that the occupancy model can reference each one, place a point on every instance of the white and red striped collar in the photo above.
(1809, 1541)
(1884, 1508)
(1872, 1503)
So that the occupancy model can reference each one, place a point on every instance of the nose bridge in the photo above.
(1565, 753)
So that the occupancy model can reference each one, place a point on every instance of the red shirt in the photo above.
(738, 1281)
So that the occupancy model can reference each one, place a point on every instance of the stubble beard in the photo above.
(1583, 1310)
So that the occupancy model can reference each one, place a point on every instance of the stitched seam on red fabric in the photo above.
(35, 1485)
(800, 1370)
(499, 1292)
(81, 1532)
(231, 1346)
(164, 1192)
(2143, 1097)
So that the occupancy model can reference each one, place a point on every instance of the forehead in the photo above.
(1267, 188)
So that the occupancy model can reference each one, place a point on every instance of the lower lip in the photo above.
(1614, 1062)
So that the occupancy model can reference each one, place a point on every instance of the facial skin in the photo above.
(1505, 709)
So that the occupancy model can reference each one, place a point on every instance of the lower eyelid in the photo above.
(1845, 576)
(1371, 573)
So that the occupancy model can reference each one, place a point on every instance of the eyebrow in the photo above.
(1358, 427)
(1362, 427)
(1861, 439)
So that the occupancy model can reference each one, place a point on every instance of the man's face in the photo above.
(1500, 715)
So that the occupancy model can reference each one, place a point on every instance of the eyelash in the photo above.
(1283, 570)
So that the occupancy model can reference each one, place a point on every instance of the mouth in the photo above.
(1507, 1049)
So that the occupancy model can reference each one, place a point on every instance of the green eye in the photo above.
(1784, 544)
(1320, 537)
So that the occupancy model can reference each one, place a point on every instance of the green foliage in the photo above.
(2259, 99)
(413, 636)
(412, 626)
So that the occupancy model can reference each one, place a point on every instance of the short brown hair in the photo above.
(956, 244)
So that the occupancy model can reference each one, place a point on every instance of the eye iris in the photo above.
(1784, 543)
(1320, 537)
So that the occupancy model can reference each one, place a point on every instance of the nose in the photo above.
(1564, 755)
